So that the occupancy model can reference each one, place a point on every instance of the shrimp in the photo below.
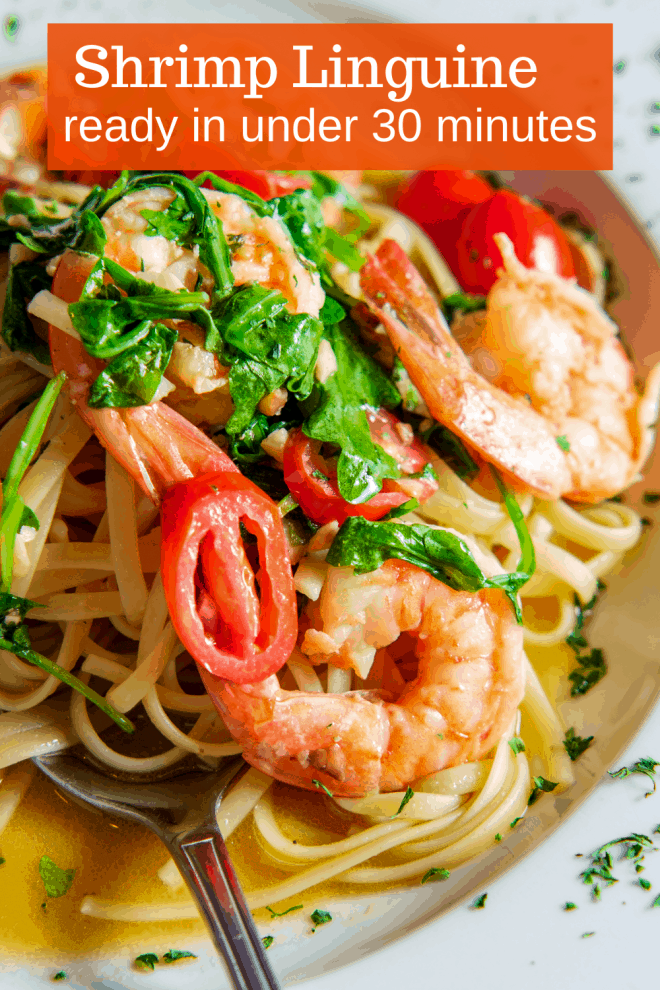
(155, 443)
(548, 396)
(469, 682)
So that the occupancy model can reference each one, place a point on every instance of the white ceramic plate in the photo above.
(612, 711)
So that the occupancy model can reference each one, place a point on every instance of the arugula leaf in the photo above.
(645, 766)
(404, 801)
(321, 917)
(90, 238)
(245, 447)
(13, 507)
(512, 583)
(176, 223)
(452, 451)
(576, 745)
(461, 302)
(174, 954)
(300, 212)
(435, 873)
(343, 250)
(56, 881)
(517, 745)
(280, 914)
(335, 413)
(14, 204)
(366, 545)
(541, 785)
(269, 348)
(147, 960)
(24, 281)
(132, 378)
(267, 941)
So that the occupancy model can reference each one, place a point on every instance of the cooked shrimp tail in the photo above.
(504, 430)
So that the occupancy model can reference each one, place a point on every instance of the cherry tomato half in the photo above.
(539, 242)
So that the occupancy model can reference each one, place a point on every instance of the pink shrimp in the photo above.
(156, 445)
(558, 414)
(469, 682)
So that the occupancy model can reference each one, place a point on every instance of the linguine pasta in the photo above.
(94, 568)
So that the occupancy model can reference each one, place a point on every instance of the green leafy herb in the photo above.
(452, 450)
(90, 237)
(342, 249)
(56, 881)
(645, 766)
(132, 378)
(563, 443)
(147, 960)
(366, 545)
(498, 837)
(651, 498)
(280, 914)
(2, 860)
(576, 745)
(13, 506)
(656, 902)
(319, 785)
(321, 917)
(60, 976)
(175, 223)
(646, 884)
(480, 902)
(541, 785)
(174, 954)
(268, 348)
(336, 413)
(435, 873)
(267, 941)
(404, 801)
(462, 302)
(591, 670)
(401, 510)
(517, 745)
(24, 281)
(515, 821)
(570, 906)
(587, 934)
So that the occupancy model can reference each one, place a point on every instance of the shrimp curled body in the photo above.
(469, 682)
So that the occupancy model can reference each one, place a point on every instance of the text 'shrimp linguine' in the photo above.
(347, 492)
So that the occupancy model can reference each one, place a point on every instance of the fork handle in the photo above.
(205, 865)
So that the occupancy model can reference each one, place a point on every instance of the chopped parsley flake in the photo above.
(563, 442)
(318, 784)
(2, 860)
(540, 785)
(480, 902)
(280, 914)
(646, 766)
(656, 902)
(267, 941)
(515, 821)
(576, 745)
(651, 498)
(498, 837)
(147, 960)
(435, 873)
(646, 884)
(406, 798)
(569, 906)
(321, 917)
(56, 881)
(60, 976)
(517, 745)
(175, 954)
(587, 934)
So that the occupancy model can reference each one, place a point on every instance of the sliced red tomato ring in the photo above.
(539, 241)
(313, 481)
(263, 183)
(231, 629)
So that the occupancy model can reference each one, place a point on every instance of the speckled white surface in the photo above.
(522, 937)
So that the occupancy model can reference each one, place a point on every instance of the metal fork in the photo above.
(179, 804)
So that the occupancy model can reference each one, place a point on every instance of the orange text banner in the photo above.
(292, 96)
